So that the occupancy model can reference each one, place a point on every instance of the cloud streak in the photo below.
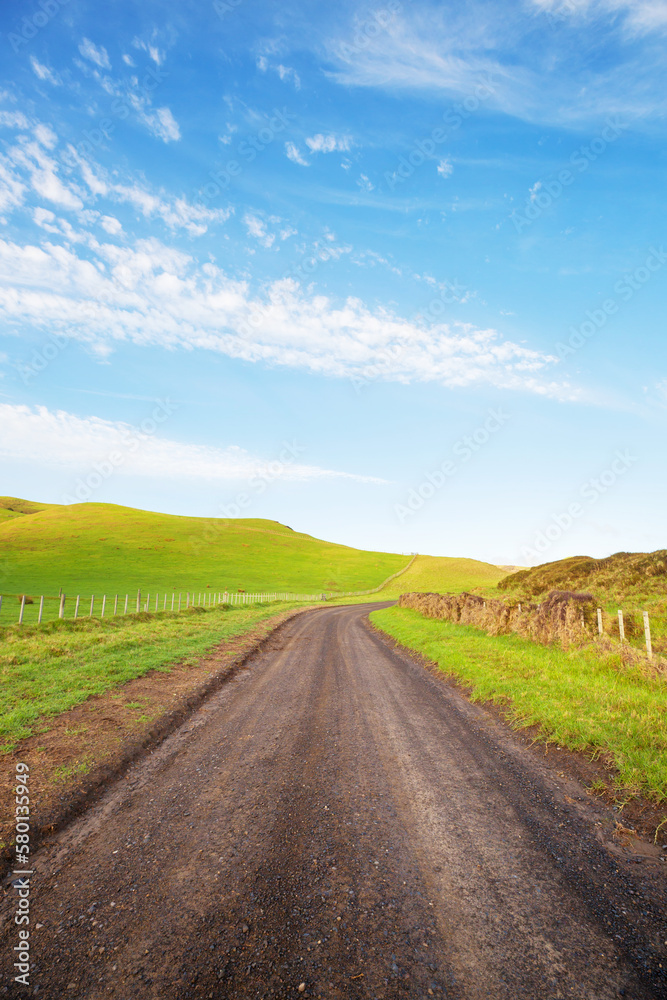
(152, 295)
(445, 52)
(67, 441)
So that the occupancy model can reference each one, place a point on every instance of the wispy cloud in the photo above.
(160, 122)
(176, 213)
(328, 143)
(153, 51)
(95, 54)
(43, 72)
(449, 52)
(64, 440)
(257, 229)
(294, 155)
(135, 96)
(639, 17)
(290, 74)
(150, 294)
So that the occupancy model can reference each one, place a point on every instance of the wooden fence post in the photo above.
(647, 636)
(115, 606)
(76, 606)
(22, 609)
(104, 604)
(599, 621)
(148, 597)
(621, 626)
(41, 610)
(92, 605)
(127, 596)
(61, 611)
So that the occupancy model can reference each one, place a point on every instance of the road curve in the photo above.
(336, 822)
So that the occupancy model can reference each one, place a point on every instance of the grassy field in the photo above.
(438, 574)
(51, 668)
(100, 549)
(580, 700)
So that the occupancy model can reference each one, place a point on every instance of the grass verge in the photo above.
(584, 701)
(49, 669)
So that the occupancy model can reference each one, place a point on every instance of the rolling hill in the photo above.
(103, 548)
(441, 574)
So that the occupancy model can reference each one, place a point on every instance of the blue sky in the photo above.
(392, 274)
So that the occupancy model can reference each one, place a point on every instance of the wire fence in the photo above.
(23, 609)
(635, 627)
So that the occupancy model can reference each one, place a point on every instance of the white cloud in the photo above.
(150, 294)
(13, 119)
(640, 16)
(99, 56)
(45, 136)
(128, 60)
(43, 170)
(111, 225)
(160, 122)
(445, 168)
(294, 155)
(43, 217)
(488, 54)
(42, 436)
(43, 72)
(155, 54)
(262, 64)
(176, 213)
(12, 189)
(328, 143)
(364, 183)
(288, 73)
(257, 228)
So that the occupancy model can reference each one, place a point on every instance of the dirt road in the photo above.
(336, 822)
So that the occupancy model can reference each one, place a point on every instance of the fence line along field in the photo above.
(39, 610)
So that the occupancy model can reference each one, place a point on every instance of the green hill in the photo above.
(440, 575)
(11, 507)
(103, 548)
(444, 574)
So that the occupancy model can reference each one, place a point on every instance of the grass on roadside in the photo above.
(579, 699)
(51, 668)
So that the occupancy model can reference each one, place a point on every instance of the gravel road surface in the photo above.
(338, 822)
